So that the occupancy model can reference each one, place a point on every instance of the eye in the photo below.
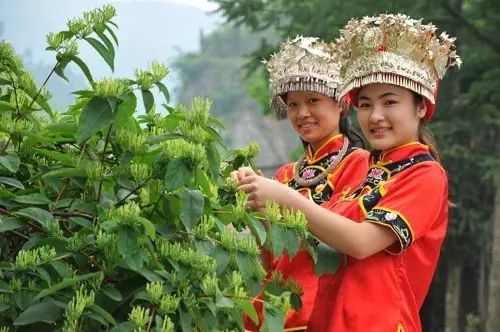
(292, 104)
(390, 102)
(313, 100)
(364, 106)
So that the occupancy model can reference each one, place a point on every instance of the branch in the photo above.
(43, 85)
(475, 31)
(134, 191)
(73, 214)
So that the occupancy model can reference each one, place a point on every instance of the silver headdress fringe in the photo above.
(393, 49)
(301, 64)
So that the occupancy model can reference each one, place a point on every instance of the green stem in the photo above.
(15, 93)
(43, 85)
(108, 135)
(134, 191)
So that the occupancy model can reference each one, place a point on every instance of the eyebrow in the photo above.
(387, 94)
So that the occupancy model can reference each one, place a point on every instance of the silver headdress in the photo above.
(301, 64)
(394, 49)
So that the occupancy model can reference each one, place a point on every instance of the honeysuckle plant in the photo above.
(110, 220)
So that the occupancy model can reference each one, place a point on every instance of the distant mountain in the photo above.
(147, 31)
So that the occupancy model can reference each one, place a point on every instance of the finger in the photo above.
(240, 174)
(248, 179)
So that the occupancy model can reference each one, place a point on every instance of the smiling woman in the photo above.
(304, 81)
(388, 115)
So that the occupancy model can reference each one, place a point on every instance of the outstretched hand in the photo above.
(260, 190)
(242, 173)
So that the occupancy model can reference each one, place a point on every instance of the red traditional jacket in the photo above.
(348, 174)
(407, 192)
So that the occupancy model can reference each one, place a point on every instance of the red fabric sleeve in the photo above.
(411, 203)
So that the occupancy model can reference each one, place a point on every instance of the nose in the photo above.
(376, 114)
(303, 111)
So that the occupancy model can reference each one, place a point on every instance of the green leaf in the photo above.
(186, 321)
(223, 302)
(245, 265)
(11, 182)
(86, 71)
(292, 242)
(214, 160)
(126, 240)
(60, 67)
(64, 284)
(177, 174)
(111, 32)
(103, 313)
(192, 207)
(9, 224)
(274, 320)
(258, 229)
(66, 172)
(103, 51)
(10, 162)
(4, 106)
(85, 223)
(149, 228)
(33, 199)
(41, 312)
(37, 214)
(248, 308)
(148, 99)
(125, 115)
(113, 293)
(328, 259)
(203, 182)
(221, 257)
(64, 158)
(277, 238)
(107, 42)
(163, 90)
(96, 115)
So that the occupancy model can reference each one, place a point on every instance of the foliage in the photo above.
(123, 223)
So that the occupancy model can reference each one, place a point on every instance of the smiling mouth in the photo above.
(307, 125)
(380, 130)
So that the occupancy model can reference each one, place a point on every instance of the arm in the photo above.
(359, 240)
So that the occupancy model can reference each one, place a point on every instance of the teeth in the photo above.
(307, 125)
(380, 130)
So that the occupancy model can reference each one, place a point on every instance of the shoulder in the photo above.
(359, 159)
(285, 173)
(425, 177)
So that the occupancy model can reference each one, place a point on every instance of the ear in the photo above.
(421, 109)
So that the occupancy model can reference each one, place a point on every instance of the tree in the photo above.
(115, 222)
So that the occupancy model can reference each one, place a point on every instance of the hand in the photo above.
(260, 190)
(243, 172)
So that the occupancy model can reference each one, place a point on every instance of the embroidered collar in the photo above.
(332, 145)
(401, 152)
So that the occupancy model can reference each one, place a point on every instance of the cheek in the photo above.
(363, 118)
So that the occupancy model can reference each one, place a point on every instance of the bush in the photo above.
(111, 221)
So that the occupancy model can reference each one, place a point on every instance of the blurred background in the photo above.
(214, 49)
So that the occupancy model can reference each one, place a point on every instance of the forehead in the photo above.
(378, 89)
(303, 94)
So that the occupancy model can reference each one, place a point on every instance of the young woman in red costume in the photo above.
(304, 86)
(390, 229)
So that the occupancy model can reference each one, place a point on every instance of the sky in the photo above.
(148, 30)
(203, 5)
